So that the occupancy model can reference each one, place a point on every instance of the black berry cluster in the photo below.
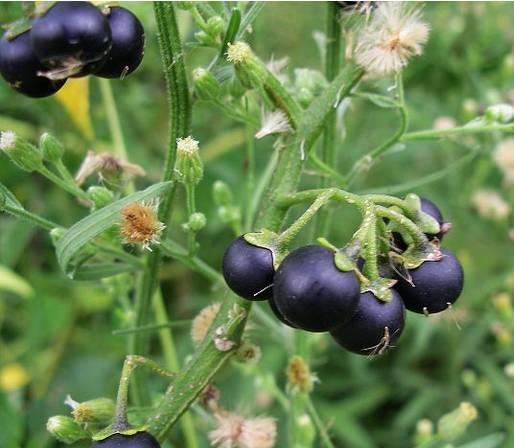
(71, 39)
(309, 292)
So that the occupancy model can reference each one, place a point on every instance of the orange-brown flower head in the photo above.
(140, 224)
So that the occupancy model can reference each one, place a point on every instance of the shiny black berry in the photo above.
(248, 270)
(435, 285)
(72, 37)
(138, 440)
(128, 43)
(19, 66)
(278, 314)
(428, 207)
(375, 326)
(311, 293)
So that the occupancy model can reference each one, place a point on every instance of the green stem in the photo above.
(172, 363)
(250, 173)
(191, 208)
(113, 119)
(332, 59)
(199, 19)
(369, 159)
(179, 104)
(417, 235)
(326, 169)
(370, 221)
(430, 134)
(65, 185)
(318, 423)
(30, 217)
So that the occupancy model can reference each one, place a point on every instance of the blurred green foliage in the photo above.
(59, 340)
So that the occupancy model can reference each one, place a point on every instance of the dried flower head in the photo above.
(276, 67)
(106, 164)
(275, 122)
(238, 52)
(140, 224)
(203, 322)
(234, 430)
(393, 35)
(504, 159)
(490, 204)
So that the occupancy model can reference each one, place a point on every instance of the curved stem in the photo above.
(66, 186)
(430, 134)
(417, 235)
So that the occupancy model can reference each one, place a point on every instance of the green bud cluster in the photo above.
(65, 429)
(188, 166)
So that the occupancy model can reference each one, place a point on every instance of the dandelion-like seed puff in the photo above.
(394, 34)
(140, 224)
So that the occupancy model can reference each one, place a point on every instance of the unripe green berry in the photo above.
(65, 429)
(51, 148)
(22, 153)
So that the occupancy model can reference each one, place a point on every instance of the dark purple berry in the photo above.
(128, 43)
(138, 440)
(248, 270)
(375, 326)
(312, 293)
(20, 67)
(435, 285)
(278, 314)
(71, 37)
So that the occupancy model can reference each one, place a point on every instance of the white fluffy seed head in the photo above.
(275, 122)
(394, 34)
(7, 140)
(187, 145)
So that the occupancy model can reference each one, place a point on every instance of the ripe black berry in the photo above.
(138, 440)
(128, 42)
(19, 67)
(375, 325)
(436, 285)
(278, 314)
(72, 37)
(311, 293)
(248, 270)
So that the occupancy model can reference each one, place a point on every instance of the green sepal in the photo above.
(381, 288)
(110, 431)
(425, 222)
(268, 240)
(415, 256)
(345, 258)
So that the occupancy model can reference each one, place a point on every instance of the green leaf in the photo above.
(91, 272)
(232, 29)
(84, 231)
(12, 282)
(250, 15)
(491, 441)
(12, 424)
(10, 199)
(378, 100)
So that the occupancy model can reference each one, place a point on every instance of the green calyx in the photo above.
(268, 240)
(111, 430)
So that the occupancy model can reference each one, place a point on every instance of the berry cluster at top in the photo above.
(71, 39)
(310, 292)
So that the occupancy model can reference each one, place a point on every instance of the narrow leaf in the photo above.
(10, 199)
(93, 225)
(232, 29)
(92, 272)
(249, 17)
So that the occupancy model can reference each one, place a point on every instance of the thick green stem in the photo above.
(179, 104)
(417, 235)
(113, 119)
(332, 59)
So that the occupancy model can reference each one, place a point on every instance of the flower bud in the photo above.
(196, 222)
(451, 426)
(501, 113)
(100, 196)
(22, 153)
(221, 193)
(65, 429)
(97, 411)
(207, 87)
(215, 25)
(189, 166)
(51, 148)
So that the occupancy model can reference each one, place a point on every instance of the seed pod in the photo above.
(189, 166)
(96, 411)
(207, 87)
